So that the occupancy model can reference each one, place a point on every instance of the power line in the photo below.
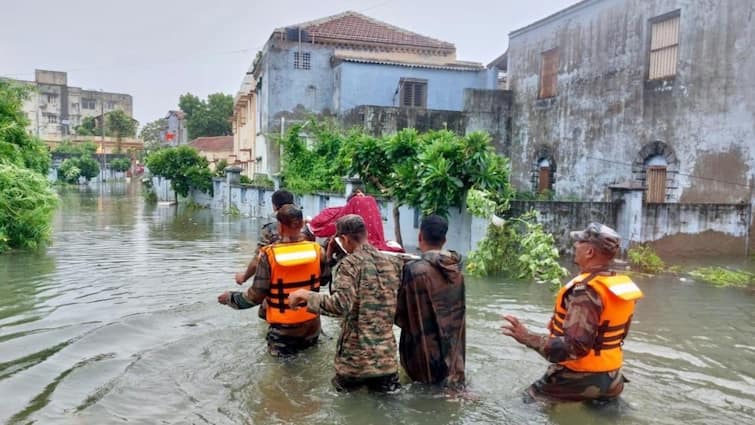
(678, 172)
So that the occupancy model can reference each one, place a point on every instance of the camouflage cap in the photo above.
(350, 224)
(599, 234)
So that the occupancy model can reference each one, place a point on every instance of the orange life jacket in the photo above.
(292, 266)
(618, 294)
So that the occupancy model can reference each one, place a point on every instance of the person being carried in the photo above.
(431, 311)
(269, 234)
(288, 264)
(365, 206)
(364, 297)
(590, 321)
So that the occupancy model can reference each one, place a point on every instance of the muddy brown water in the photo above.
(117, 322)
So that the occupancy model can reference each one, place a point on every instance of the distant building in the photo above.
(174, 133)
(351, 67)
(55, 109)
(654, 94)
(215, 148)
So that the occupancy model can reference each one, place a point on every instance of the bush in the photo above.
(644, 259)
(120, 164)
(75, 149)
(26, 207)
(720, 276)
(183, 166)
(16, 145)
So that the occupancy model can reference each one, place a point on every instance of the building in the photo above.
(244, 126)
(174, 133)
(55, 109)
(215, 149)
(354, 68)
(655, 94)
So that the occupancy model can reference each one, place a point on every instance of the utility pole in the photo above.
(102, 135)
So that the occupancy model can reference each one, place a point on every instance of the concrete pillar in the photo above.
(276, 181)
(233, 175)
(629, 214)
(350, 184)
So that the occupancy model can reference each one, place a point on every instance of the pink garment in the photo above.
(324, 225)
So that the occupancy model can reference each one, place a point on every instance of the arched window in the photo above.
(543, 170)
(544, 176)
(656, 167)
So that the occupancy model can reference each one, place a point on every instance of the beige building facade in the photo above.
(55, 109)
(245, 128)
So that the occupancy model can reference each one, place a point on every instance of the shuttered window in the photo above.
(664, 48)
(656, 185)
(413, 93)
(548, 73)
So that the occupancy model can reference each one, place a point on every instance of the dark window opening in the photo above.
(413, 93)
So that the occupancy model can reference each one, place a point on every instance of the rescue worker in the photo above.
(269, 234)
(431, 311)
(283, 267)
(590, 321)
(364, 296)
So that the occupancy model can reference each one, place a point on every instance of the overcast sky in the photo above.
(156, 50)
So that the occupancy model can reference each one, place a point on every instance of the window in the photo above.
(664, 48)
(52, 99)
(548, 73)
(75, 107)
(111, 105)
(302, 60)
(413, 93)
(52, 119)
(88, 103)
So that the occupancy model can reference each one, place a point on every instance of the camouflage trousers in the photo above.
(380, 384)
(562, 384)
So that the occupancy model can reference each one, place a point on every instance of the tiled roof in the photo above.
(453, 66)
(355, 27)
(213, 144)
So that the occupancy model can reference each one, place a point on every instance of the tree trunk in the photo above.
(397, 224)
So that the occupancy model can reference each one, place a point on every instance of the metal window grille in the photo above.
(302, 60)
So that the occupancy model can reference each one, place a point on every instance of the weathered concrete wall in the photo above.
(695, 229)
(559, 218)
(489, 111)
(606, 115)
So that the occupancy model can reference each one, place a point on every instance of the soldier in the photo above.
(269, 234)
(286, 265)
(364, 296)
(431, 311)
(590, 321)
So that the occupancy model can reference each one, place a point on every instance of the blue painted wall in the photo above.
(373, 84)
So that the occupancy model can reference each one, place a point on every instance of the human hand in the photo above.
(514, 328)
(240, 278)
(298, 298)
(224, 298)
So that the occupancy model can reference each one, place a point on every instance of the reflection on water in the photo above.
(117, 322)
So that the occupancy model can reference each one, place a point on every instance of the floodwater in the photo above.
(117, 322)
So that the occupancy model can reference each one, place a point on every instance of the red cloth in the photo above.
(324, 225)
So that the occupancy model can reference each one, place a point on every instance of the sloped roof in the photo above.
(453, 66)
(213, 144)
(355, 27)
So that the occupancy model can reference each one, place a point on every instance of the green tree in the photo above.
(76, 148)
(89, 167)
(27, 204)
(119, 125)
(207, 118)
(16, 145)
(150, 133)
(183, 166)
(69, 170)
(120, 164)
(88, 127)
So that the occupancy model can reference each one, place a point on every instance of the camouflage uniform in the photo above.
(584, 307)
(281, 339)
(431, 314)
(364, 296)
